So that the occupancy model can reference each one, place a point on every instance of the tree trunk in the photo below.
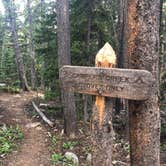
(85, 97)
(65, 59)
(85, 104)
(89, 55)
(42, 85)
(162, 25)
(143, 52)
(121, 25)
(31, 48)
(19, 59)
(121, 44)
(122, 104)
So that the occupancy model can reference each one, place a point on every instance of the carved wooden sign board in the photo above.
(110, 82)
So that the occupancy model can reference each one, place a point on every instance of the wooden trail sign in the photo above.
(111, 82)
(103, 81)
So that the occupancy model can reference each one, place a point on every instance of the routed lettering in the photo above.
(110, 82)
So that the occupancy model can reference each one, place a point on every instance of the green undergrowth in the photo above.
(163, 138)
(69, 144)
(54, 112)
(58, 158)
(50, 95)
(163, 146)
(163, 130)
(58, 146)
(8, 138)
(9, 89)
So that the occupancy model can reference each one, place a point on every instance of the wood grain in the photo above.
(111, 82)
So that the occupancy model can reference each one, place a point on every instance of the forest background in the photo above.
(92, 23)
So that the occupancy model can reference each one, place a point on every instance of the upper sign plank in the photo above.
(111, 82)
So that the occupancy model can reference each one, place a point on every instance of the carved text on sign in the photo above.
(111, 82)
(114, 79)
(98, 87)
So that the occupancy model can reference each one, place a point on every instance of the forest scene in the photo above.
(82, 82)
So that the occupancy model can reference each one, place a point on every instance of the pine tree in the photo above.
(10, 10)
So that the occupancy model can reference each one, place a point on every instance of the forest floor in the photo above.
(41, 141)
(33, 150)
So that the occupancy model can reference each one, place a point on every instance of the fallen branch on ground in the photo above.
(49, 106)
(42, 115)
(118, 162)
(2, 84)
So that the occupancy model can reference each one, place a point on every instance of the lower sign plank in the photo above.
(111, 82)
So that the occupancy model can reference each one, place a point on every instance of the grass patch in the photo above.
(8, 138)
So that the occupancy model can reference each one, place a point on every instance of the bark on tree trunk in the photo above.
(85, 103)
(122, 104)
(161, 62)
(90, 57)
(65, 59)
(85, 97)
(31, 49)
(19, 58)
(121, 23)
(143, 52)
(42, 85)
(121, 41)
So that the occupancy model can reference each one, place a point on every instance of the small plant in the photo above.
(67, 162)
(163, 147)
(58, 158)
(53, 140)
(8, 136)
(69, 144)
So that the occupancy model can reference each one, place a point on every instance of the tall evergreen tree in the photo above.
(65, 59)
(45, 40)
(10, 10)
(31, 47)
(143, 53)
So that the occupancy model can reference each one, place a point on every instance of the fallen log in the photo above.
(49, 106)
(2, 84)
(45, 119)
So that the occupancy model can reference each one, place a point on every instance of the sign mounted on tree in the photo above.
(110, 82)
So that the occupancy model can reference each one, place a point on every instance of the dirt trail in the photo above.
(33, 150)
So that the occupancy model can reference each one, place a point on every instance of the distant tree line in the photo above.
(29, 41)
